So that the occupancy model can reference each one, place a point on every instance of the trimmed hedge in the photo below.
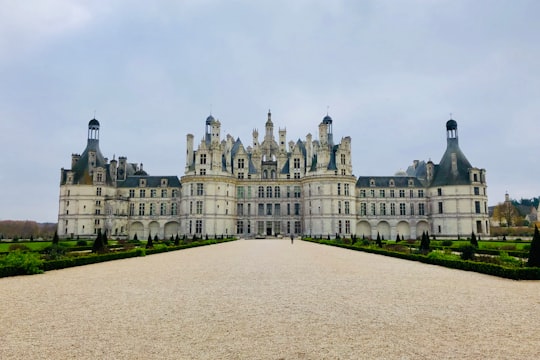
(97, 258)
(525, 273)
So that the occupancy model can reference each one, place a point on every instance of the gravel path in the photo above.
(267, 299)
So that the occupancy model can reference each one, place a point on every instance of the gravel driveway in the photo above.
(267, 299)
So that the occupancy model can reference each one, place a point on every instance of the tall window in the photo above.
(363, 209)
(296, 209)
(339, 207)
(297, 163)
(392, 193)
(382, 209)
(163, 209)
(339, 188)
(477, 207)
(98, 191)
(141, 209)
(203, 159)
(440, 207)
(347, 207)
(99, 177)
(198, 226)
(412, 209)
(476, 190)
(297, 227)
(240, 209)
(268, 191)
(239, 227)
(131, 209)
(439, 192)
(131, 193)
(420, 193)
(261, 191)
(152, 209)
(339, 226)
(153, 193)
(402, 209)
(382, 193)
(402, 193)
(174, 209)
(392, 209)
(240, 163)
(142, 193)
(200, 189)
(421, 209)
(297, 191)
(174, 193)
(199, 207)
(346, 189)
(277, 192)
(347, 226)
(163, 193)
(343, 162)
(240, 192)
(373, 210)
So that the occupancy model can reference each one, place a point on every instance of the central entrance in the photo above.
(269, 228)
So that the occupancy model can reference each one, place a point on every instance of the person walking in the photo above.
(292, 238)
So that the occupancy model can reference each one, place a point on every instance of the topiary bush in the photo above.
(467, 252)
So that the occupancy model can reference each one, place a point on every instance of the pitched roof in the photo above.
(453, 168)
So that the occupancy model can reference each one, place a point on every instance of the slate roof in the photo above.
(151, 181)
(80, 170)
(384, 181)
(444, 175)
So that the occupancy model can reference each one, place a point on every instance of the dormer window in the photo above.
(163, 182)
(371, 182)
(391, 182)
(142, 182)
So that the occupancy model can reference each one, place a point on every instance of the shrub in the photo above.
(467, 252)
(23, 262)
(397, 248)
(21, 247)
(54, 252)
(510, 260)
(82, 243)
(446, 243)
(534, 253)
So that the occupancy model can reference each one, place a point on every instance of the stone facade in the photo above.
(115, 196)
(274, 187)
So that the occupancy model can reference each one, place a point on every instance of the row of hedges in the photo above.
(467, 265)
(26, 263)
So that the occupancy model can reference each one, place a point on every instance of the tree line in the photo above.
(25, 229)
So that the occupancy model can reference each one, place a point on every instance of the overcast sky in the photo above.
(390, 73)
